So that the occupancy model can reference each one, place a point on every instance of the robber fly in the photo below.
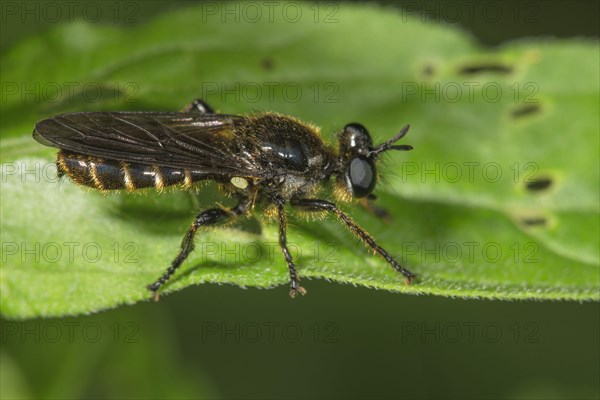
(264, 160)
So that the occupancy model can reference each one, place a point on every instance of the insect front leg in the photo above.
(324, 205)
(295, 287)
(208, 217)
(199, 106)
(368, 203)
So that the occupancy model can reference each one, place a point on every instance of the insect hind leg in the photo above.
(210, 217)
(199, 106)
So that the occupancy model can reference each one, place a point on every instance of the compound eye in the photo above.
(358, 136)
(362, 176)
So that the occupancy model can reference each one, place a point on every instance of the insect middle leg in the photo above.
(208, 217)
(295, 287)
(324, 205)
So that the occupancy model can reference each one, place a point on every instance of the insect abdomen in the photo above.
(111, 174)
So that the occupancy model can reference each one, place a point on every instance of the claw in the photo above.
(294, 291)
(155, 294)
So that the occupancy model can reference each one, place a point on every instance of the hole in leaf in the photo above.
(534, 221)
(538, 184)
(267, 63)
(477, 69)
(525, 110)
(428, 71)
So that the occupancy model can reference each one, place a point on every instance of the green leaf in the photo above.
(498, 200)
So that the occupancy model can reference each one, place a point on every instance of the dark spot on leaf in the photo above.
(538, 184)
(534, 221)
(267, 63)
(525, 110)
(428, 71)
(477, 69)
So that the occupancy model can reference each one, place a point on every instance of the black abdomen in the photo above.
(111, 174)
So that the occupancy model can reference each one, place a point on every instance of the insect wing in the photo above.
(204, 142)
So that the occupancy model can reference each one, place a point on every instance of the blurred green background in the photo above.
(338, 342)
